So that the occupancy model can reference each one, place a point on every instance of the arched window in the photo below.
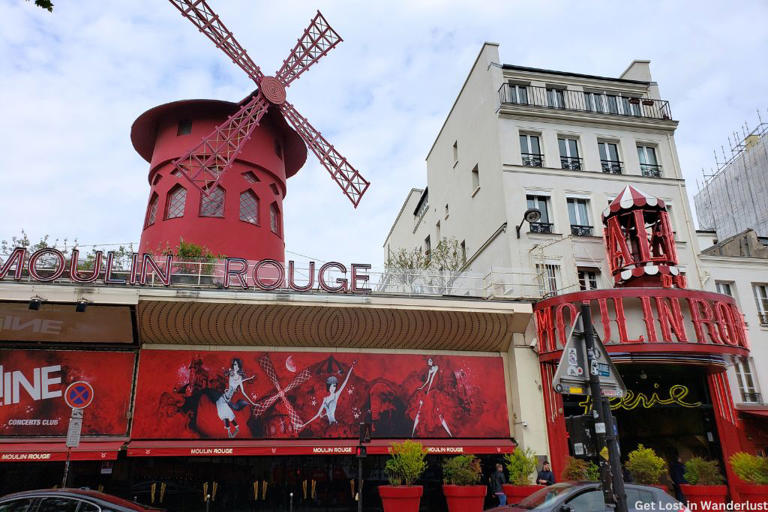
(274, 219)
(250, 177)
(152, 210)
(249, 207)
(212, 205)
(174, 206)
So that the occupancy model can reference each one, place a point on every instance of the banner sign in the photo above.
(32, 384)
(317, 395)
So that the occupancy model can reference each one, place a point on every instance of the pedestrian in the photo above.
(545, 476)
(677, 475)
(497, 481)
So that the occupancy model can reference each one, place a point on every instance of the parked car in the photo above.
(68, 500)
(587, 497)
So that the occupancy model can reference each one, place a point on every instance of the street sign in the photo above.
(75, 427)
(79, 395)
(572, 375)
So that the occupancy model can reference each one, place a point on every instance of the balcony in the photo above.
(571, 162)
(611, 166)
(540, 227)
(751, 397)
(579, 230)
(532, 159)
(577, 101)
(650, 170)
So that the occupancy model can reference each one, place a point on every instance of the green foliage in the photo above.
(521, 464)
(752, 469)
(578, 469)
(406, 463)
(462, 470)
(44, 4)
(699, 471)
(443, 263)
(645, 466)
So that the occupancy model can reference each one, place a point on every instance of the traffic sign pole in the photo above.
(78, 396)
(610, 470)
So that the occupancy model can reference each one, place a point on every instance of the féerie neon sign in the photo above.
(630, 401)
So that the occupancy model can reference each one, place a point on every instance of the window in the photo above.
(176, 173)
(643, 497)
(517, 93)
(530, 150)
(724, 287)
(21, 505)
(152, 210)
(274, 219)
(177, 199)
(184, 128)
(649, 166)
(548, 277)
(761, 298)
(569, 154)
(57, 504)
(578, 214)
(90, 507)
(212, 205)
(455, 152)
(156, 179)
(249, 207)
(609, 157)
(463, 251)
(540, 203)
(250, 177)
(590, 501)
(588, 278)
(475, 179)
(427, 247)
(743, 369)
(555, 97)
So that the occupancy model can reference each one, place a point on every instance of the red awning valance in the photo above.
(761, 413)
(31, 450)
(234, 448)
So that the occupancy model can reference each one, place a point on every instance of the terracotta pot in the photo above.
(464, 498)
(700, 494)
(516, 493)
(752, 493)
(400, 498)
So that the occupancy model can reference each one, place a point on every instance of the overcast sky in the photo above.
(72, 83)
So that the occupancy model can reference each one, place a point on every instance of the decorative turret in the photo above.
(639, 241)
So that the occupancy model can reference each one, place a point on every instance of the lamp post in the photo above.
(530, 215)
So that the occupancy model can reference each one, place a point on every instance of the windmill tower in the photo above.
(218, 170)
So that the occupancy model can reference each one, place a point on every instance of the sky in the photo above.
(73, 81)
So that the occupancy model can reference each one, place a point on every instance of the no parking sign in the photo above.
(79, 395)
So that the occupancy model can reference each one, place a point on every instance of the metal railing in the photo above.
(540, 227)
(751, 397)
(580, 230)
(571, 162)
(532, 159)
(650, 170)
(611, 166)
(612, 105)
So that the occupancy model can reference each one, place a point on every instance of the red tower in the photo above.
(639, 241)
(218, 170)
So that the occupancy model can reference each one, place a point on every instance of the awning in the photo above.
(234, 448)
(761, 413)
(30, 450)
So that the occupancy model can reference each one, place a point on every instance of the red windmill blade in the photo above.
(204, 164)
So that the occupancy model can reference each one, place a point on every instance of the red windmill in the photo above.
(228, 151)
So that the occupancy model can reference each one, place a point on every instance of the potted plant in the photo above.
(521, 464)
(406, 464)
(578, 470)
(705, 482)
(646, 467)
(752, 470)
(460, 477)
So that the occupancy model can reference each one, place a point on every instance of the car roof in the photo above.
(80, 493)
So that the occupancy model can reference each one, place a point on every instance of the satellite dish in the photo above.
(532, 215)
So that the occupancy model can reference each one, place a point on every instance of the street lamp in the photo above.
(530, 215)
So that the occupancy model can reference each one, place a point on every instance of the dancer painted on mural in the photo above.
(225, 407)
(429, 399)
(330, 402)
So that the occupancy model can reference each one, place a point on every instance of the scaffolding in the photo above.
(734, 197)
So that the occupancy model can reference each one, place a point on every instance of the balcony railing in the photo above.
(651, 170)
(751, 397)
(571, 162)
(611, 166)
(541, 227)
(579, 230)
(577, 101)
(763, 319)
(532, 159)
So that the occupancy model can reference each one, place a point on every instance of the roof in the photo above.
(568, 73)
(402, 209)
(630, 198)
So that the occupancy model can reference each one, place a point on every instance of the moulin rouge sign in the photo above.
(267, 274)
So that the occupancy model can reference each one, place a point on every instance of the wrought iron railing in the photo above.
(580, 230)
(579, 101)
(541, 227)
(650, 170)
(751, 397)
(611, 166)
(532, 159)
(571, 162)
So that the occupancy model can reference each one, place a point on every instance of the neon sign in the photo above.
(675, 396)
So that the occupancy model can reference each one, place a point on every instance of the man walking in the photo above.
(545, 476)
(497, 480)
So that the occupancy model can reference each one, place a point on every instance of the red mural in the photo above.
(32, 384)
(255, 395)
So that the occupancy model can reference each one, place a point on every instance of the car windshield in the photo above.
(543, 498)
